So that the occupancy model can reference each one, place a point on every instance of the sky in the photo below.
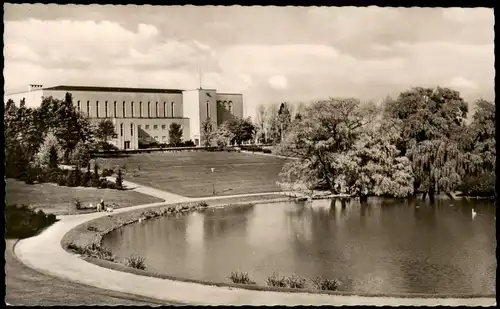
(270, 54)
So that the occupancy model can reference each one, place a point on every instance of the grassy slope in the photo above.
(189, 173)
(59, 200)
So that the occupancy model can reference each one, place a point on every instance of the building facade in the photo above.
(143, 112)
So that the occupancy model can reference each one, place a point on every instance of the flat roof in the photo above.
(112, 89)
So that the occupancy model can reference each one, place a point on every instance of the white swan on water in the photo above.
(473, 213)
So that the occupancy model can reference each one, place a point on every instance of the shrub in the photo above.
(296, 282)
(92, 228)
(136, 261)
(23, 222)
(266, 150)
(325, 284)
(119, 180)
(276, 281)
(107, 172)
(241, 278)
(77, 203)
(77, 177)
(203, 204)
(96, 171)
(70, 179)
(110, 185)
(62, 179)
(93, 251)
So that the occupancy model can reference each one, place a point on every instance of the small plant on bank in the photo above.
(240, 277)
(136, 261)
(325, 284)
(93, 251)
(296, 282)
(276, 281)
(203, 204)
(266, 150)
(92, 228)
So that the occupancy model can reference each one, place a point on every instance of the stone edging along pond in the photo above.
(91, 233)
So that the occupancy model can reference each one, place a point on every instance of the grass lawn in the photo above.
(189, 173)
(52, 198)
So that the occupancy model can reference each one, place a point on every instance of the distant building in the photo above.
(144, 112)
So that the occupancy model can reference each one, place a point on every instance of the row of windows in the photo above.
(155, 127)
(132, 105)
(226, 103)
(131, 129)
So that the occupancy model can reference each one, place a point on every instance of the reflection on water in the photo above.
(387, 245)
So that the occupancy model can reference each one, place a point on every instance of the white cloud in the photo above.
(278, 82)
(462, 83)
(147, 30)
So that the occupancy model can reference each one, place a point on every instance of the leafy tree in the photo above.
(222, 136)
(175, 134)
(81, 154)
(241, 129)
(105, 131)
(49, 152)
(272, 125)
(284, 119)
(337, 150)
(260, 122)
(206, 132)
(430, 122)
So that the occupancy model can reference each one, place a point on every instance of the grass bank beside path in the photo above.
(28, 287)
(82, 236)
(52, 198)
(189, 173)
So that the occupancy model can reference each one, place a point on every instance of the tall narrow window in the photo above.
(172, 109)
(157, 111)
(165, 109)
(132, 108)
(123, 111)
(140, 109)
(78, 104)
(121, 129)
(106, 109)
(149, 109)
(88, 108)
(231, 107)
(97, 109)
(114, 109)
(131, 129)
(208, 109)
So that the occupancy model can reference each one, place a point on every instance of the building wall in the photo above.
(228, 106)
(192, 110)
(32, 99)
(208, 107)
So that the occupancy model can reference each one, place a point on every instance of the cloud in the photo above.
(278, 82)
(462, 83)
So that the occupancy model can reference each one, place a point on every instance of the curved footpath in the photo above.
(45, 254)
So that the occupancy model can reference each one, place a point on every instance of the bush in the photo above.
(266, 150)
(241, 278)
(62, 180)
(107, 172)
(253, 148)
(23, 222)
(203, 204)
(276, 281)
(136, 261)
(325, 284)
(296, 282)
(70, 178)
(77, 203)
(93, 251)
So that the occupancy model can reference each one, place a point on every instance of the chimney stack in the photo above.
(33, 87)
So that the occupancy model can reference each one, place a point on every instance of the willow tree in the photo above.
(430, 122)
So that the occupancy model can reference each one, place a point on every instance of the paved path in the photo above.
(28, 287)
(44, 253)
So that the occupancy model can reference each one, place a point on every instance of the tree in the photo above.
(222, 136)
(260, 121)
(50, 152)
(206, 132)
(336, 152)
(430, 122)
(241, 129)
(81, 155)
(175, 134)
(119, 180)
(105, 131)
(272, 125)
(284, 119)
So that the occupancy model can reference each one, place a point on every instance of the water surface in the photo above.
(387, 246)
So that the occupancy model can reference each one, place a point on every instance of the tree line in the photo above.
(419, 142)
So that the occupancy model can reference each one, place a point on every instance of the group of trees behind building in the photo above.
(418, 142)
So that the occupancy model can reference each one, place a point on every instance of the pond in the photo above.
(385, 246)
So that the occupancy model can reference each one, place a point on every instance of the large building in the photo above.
(143, 112)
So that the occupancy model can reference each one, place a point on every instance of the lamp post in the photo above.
(213, 181)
